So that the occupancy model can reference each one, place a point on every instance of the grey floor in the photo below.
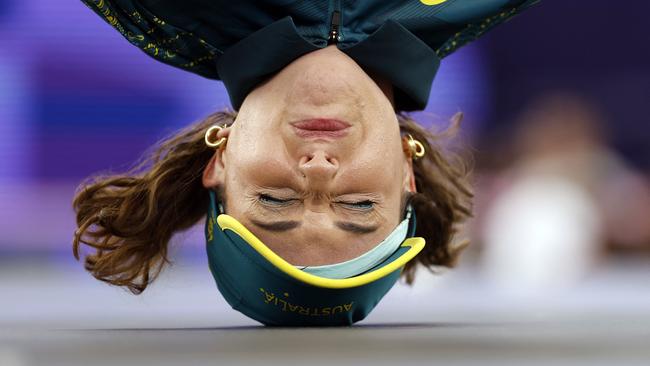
(51, 313)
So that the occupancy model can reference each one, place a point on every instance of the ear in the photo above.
(409, 178)
(408, 183)
(214, 172)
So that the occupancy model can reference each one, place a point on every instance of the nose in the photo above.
(318, 167)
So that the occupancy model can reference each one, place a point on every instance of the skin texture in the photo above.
(271, 174)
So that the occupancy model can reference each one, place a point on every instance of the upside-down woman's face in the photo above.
(315, 197)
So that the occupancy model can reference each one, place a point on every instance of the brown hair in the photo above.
(129, 219)
(443, 198)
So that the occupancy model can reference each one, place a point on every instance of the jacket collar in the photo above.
(391, 52)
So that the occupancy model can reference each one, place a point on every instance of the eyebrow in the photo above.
(354, 228)
(279, 226)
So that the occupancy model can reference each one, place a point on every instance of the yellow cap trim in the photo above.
(432, 2)
(230, 223)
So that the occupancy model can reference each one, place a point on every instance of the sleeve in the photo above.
(480, 18)
(164, 42)
(446, 25)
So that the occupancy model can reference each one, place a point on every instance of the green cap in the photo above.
(261, 285)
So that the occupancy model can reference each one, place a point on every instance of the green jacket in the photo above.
(243, 42)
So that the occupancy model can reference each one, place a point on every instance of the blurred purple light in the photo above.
(77, 99)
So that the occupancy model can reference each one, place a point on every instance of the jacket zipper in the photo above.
(335, 24)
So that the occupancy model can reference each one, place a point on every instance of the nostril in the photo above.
(333, 161)
(317, 159)
(306, 159)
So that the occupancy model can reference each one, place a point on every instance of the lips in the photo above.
(321, 127)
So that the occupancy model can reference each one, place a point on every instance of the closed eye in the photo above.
(274, 201)
(364, 205)
(267, 199)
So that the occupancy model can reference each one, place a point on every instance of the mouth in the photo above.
(321, 127)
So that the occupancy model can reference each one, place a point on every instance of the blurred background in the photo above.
(556, 113)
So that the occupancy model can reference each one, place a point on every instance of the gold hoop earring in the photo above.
(214, 130)
(416, 147)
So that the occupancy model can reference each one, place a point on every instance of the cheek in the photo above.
(263, 110)
(382, 149)
(259, 166)
(382, 134)
(375, 174)
(252, 141)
